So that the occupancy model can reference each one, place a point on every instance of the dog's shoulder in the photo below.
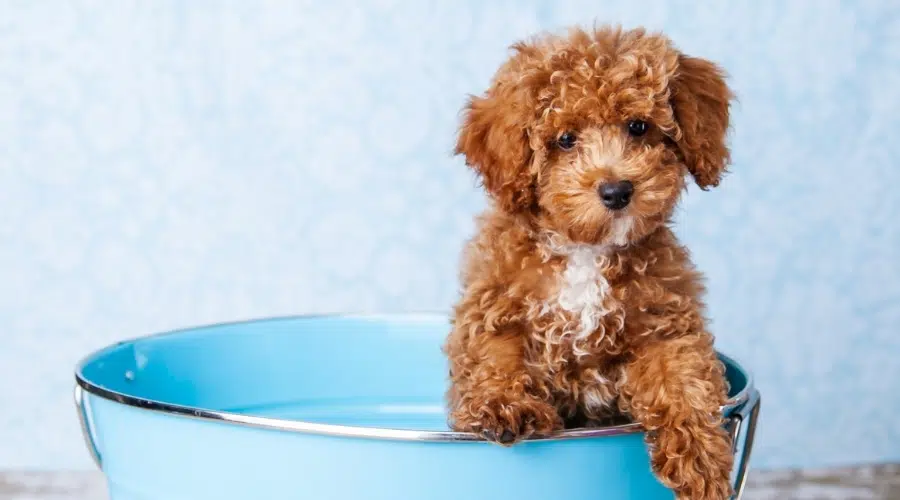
(662, 261)
(502, 251)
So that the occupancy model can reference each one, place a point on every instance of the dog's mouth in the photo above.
(620, 228)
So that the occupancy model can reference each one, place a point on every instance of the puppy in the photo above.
(578, 302)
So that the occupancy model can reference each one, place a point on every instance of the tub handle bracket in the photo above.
(82, 406)
(745, 416)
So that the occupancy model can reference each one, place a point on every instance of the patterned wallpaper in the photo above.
(170, 163)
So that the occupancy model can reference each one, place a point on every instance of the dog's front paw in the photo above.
(507, 420)
(710, 490)
(697, 468)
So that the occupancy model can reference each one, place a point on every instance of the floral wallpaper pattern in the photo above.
(167, 164)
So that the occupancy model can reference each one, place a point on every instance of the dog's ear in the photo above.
(701, 99)
(494, 140)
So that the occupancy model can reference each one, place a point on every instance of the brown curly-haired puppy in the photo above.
(578, 302)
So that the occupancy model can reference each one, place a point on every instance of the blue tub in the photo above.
(335, 407)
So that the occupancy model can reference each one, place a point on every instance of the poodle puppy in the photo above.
(578, 303)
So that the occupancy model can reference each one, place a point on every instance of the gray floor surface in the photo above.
(881, 482)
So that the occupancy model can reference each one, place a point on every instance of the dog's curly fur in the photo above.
(572, 313)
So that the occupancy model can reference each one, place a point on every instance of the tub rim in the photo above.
(82, 385)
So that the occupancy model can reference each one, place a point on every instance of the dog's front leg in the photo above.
(675, 388)
(492, 393)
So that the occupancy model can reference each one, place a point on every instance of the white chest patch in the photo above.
(583, 288)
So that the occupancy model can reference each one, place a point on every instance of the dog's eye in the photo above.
(637, 128)
(566, 141)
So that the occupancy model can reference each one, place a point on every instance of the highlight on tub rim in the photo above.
(746, 395)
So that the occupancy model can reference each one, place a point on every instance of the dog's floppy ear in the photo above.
(494, 140)
(701, 99)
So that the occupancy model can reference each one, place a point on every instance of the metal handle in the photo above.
(746, 415)
(80, 403)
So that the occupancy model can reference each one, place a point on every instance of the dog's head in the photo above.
(593, 134)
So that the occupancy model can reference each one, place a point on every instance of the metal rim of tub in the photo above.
(743, 407)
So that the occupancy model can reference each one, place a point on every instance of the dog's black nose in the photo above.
(616, 195)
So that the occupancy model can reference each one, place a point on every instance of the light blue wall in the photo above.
(171, 163)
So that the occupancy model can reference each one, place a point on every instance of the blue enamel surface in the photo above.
(365, 371)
